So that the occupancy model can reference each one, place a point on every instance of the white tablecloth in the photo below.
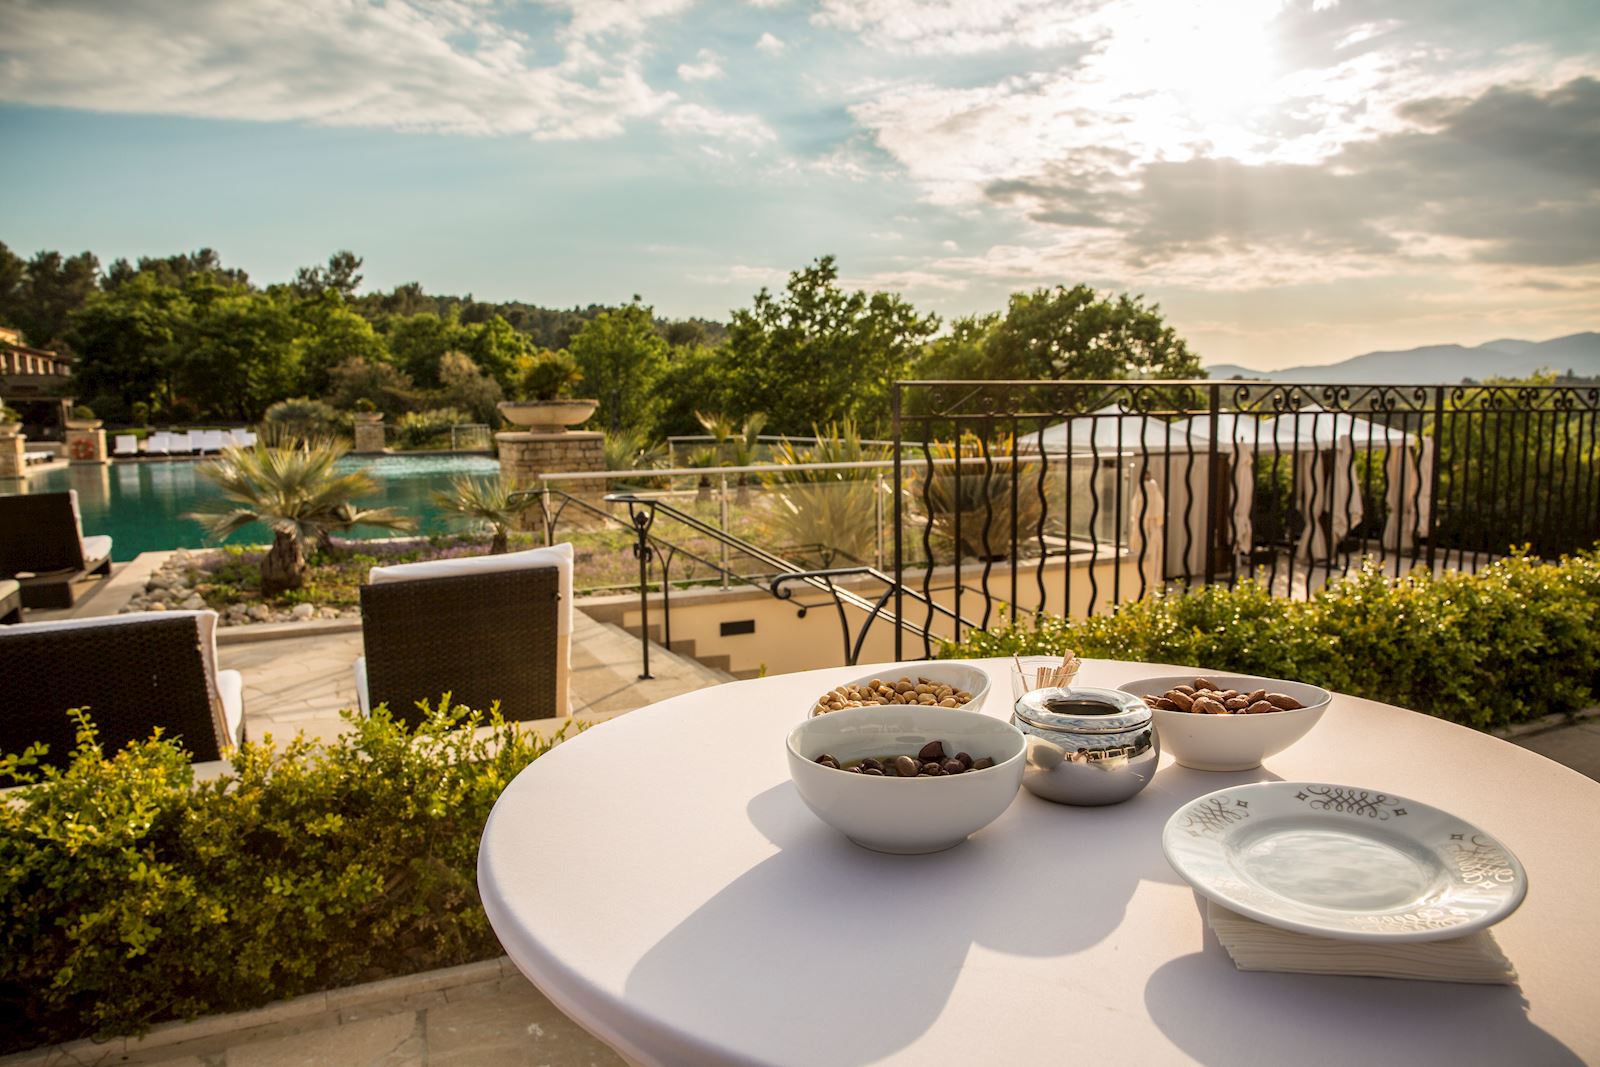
(660, 880)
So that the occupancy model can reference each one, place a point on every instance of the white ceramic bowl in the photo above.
(905, 815)
(963, 677)
(1232, 742)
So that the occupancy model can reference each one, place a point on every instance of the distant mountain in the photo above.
(1507, 358)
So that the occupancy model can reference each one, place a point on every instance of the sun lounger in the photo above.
(135, 672)
(181, 444)
(126, 444)
(42, 546)
(158, 444)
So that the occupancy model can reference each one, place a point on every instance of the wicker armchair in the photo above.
(42, 546)
(133, 672)
(491, 628)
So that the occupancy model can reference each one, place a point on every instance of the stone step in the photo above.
(715, 661)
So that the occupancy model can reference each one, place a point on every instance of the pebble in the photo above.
(303, 611)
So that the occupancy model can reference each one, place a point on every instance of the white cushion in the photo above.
(361, 686)
(230, 686)
(97, 546)
(127, 444)
(559, 555)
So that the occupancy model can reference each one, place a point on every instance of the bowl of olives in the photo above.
(906, 778)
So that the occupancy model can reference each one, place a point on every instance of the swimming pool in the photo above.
(141, 505)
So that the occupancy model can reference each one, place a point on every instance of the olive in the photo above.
(869, 770)
(982, 764)
(952, 766)
(905, 766)
(931, 752)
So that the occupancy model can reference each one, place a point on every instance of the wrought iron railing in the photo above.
(1075, 496)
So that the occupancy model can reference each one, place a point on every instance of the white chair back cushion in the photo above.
(559, 555)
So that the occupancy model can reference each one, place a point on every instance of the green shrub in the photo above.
(428, 429)
(129, 894)
(1511, 643)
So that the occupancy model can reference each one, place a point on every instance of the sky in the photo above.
(1293, 181)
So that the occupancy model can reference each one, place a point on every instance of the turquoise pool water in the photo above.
(141, 505)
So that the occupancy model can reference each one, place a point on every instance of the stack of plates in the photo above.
(1339, 880)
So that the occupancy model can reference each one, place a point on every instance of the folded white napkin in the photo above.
(1256, 946)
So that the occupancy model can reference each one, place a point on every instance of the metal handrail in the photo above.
(821, 580)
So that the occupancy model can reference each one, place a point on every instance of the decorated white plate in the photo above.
(1343, 862)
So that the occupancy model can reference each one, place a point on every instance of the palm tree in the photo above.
(486, 500)
(294, 490)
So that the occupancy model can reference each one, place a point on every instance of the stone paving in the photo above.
(499, 1022)
(298, 684)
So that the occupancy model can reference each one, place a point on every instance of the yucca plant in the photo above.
(834, 510)
(744, 452)
(981, 502)
(295, 490)
(486, 501)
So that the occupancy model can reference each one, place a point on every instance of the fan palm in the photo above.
(295, 490)
(488, 501)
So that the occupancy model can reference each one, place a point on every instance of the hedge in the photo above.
(1514, 642)
(130, 894)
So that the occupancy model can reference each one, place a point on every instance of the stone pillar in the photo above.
(525, 456)
(95, 452)
(12, 463)
(369, 435)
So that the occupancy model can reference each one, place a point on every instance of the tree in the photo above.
(242, 355)
(621, 357)
(417, 343)
(817, 353)
(340, 276)
(176, 270)
(328, 333)
(130, 342)
(41, 301)
(694, 379)
(390, 389)
(1074, 333)
(495, 346)
(959, 355)
(463, 385)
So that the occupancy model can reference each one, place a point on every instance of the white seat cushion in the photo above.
(230, 686)
(96, 546)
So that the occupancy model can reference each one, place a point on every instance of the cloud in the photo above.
(957, 27)
(444, 67)
(706, 66)
(769, 45)
(699, 121)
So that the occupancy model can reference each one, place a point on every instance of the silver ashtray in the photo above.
(1086, 746)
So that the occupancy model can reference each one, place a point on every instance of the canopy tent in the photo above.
(1328, 480)
(1170, 467)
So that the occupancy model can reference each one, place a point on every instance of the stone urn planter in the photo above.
(369, 416)
(84, 424)
(547, 416)
(10, 429)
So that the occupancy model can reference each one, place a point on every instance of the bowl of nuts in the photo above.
(906, 778)
(1229, 722)
(946, 684)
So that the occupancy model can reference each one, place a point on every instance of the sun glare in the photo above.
(1197, 73)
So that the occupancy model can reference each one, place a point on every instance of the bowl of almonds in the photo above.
(1229, 722)
(945, 684)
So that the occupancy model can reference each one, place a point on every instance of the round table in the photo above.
(661, 881)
